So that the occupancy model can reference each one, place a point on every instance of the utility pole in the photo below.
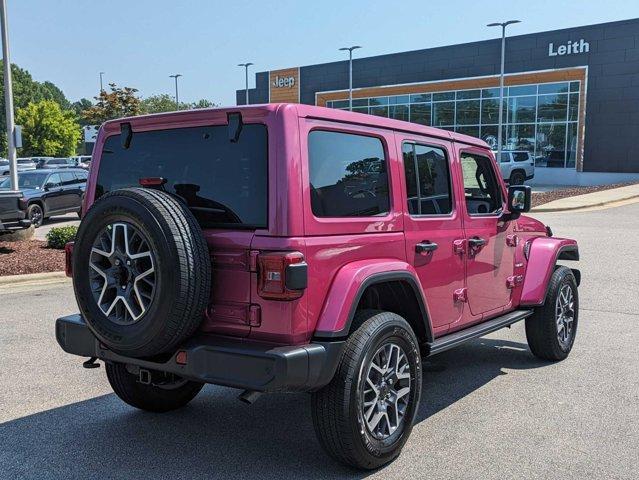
(350, 74)
(503, 26)
(8, 98)
(101, 87)
(246, 65)
(177, 99)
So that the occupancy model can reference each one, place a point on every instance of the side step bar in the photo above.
(451, 340)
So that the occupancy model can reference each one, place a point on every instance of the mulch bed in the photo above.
(539, 198)
(31, 256)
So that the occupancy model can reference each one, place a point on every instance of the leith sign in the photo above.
(568, 48)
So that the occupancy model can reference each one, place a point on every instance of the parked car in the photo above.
(56, 163)
(291, 248)
(517, 167)
(48, 192)
(23, 164)
(82, 161)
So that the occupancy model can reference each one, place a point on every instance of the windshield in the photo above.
(223, 183)
(24, 160)
(29, 180)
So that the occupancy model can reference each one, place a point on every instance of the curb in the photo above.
(541, 208)
(33, 279)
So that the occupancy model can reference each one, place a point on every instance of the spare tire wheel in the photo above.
(141, 271)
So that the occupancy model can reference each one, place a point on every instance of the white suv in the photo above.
(516, 166)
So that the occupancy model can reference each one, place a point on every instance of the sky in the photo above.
(139, 43)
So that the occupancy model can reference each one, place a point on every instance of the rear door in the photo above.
(433, 227)
(71, 193)
(225, 185)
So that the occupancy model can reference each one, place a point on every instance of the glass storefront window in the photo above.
(541, 119)
(443, 113)
(467, 112)
(522, 109)
(550, 146)
(399, 112)
(552, 108)
(420, 113)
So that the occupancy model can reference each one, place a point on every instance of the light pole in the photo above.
(101, 87)
(177, 99)
(350, 74)
(503, 26)
(8, 98)
(246, 65)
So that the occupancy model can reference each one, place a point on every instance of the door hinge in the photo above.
(252, 260)
(460, 295)
(512, 240)
(514, 280)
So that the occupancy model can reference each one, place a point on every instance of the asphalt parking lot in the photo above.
(489, 409)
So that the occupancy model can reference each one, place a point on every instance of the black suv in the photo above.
(49, 192)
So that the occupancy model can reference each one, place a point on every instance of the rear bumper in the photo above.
(221, 360)
(9, 227)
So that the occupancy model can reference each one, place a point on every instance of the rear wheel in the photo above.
(517, 178)
(35, 214)
(365, 415)
(551, 330)
(161, 392)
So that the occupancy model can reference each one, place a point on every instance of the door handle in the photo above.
(425, 247)
(476, 242)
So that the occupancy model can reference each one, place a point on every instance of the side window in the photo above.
(67, 178)
(348, 175)
(54, 179)
(82, 176)
(481, 188)
(427, 180)
(505, 157)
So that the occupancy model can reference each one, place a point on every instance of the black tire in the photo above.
(542, 327)
(171, 394)
(337, 417)
(517, 178)
(35, 214)
(182, 277)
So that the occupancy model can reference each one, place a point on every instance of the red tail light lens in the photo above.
(281, 275)
(68, 259)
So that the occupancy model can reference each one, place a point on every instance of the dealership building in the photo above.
(571, 96)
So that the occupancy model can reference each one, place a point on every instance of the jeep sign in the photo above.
(284, 82)
(569, 48)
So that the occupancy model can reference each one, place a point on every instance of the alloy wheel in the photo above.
(565, 315)
(386, 386)
(122, 273)
(35, 215)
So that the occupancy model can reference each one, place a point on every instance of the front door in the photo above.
(490, 253)
(433, 227)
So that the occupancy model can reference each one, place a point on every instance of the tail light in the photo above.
(68, 259)
(281, 275)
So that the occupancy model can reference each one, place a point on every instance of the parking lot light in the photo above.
(350, 74)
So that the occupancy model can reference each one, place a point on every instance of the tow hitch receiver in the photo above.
(91, 363)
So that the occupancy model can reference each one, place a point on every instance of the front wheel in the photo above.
(365, 415)
(551, 330)
(161, 392)
(517, 178)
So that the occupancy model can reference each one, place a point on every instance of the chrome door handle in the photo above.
(425, 247)
(476, 242)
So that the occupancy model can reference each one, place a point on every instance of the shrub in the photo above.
(59, 236)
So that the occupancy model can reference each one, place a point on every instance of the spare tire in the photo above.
(141, 271)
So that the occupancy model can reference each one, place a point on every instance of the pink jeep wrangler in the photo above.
(297, 248)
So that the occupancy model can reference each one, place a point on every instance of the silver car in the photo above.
(517, 166)
(23, 164)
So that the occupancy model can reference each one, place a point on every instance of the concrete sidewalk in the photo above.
(588, 200)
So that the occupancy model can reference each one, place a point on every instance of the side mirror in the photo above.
(519, 198)
(48, 186)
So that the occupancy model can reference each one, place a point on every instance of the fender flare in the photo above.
(542, 260)
(348, 286)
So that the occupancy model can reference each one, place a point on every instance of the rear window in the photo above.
(348, 175)
(521, 156)
(223, 183)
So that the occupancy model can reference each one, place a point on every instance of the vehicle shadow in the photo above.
(217, 436)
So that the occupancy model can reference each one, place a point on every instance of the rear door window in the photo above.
(224, 184)
(348, 175)
(67, 178)
(427, 180)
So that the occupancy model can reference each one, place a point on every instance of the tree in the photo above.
(47, 129)
(79, 107)
(166, 103)
(119, 102)
(25, 90)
